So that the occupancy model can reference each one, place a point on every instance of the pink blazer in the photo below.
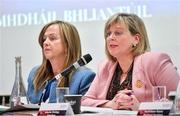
(150, 69)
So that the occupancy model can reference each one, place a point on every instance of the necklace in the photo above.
(124, 74)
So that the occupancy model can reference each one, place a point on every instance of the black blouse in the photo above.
(115, 85)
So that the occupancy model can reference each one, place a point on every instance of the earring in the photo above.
(133, 45)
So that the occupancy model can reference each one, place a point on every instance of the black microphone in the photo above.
(81, 62)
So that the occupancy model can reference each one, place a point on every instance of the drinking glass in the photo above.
(159, 93)
(60, 92)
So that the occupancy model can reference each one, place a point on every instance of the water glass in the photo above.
(60, 92)
(159, 93)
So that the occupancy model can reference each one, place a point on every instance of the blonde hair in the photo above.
(71, 39)
(135, 26)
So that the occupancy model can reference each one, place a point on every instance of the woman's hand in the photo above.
(136, 103)
(126, 100)
(123, 100)
(110, 104)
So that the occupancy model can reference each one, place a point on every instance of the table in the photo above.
(92, 111)
(88, 111)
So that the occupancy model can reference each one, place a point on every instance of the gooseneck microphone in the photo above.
(81, 62)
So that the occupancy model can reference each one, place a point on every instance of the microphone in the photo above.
(81, 62)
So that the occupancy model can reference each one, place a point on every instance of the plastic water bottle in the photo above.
(177, 99)
(18, 94)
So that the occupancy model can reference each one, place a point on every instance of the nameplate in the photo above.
(155, 108)
(55, 109)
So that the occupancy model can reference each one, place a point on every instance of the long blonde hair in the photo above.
(71, 39)
(135, 26)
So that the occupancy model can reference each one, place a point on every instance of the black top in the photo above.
(115, 85)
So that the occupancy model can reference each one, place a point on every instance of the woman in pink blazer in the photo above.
(126, 78)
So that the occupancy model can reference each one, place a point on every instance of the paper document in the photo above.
(108, 111)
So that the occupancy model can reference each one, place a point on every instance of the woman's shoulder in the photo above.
(32, 73)
(84, 70)
(83, 73)
(34, 69)
(153, 56)
(105, 65)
